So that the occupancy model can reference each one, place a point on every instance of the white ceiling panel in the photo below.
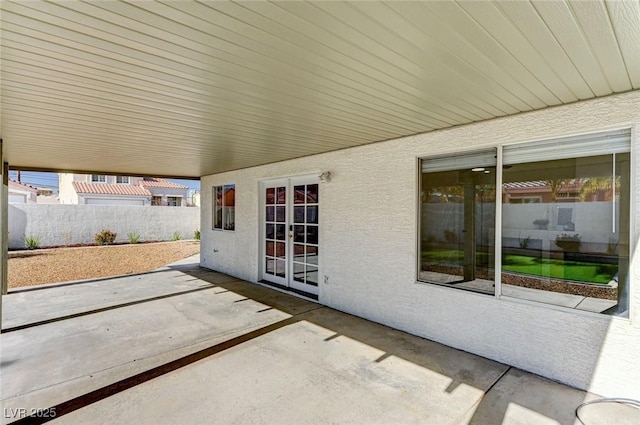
(190, 88)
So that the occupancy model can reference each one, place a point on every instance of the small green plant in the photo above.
(524, 243)
(134, 237)
(32, 242)
(105, 237)
(176, 236)
(196, 234)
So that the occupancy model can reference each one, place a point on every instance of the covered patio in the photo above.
(318, 118)
(184, 344)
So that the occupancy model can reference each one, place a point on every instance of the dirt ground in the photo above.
(27, 268)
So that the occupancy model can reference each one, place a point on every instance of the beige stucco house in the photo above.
(100, 189)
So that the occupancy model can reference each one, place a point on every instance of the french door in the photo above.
(289, 235)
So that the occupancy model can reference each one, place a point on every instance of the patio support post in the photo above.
(4, 227)
(4, 236)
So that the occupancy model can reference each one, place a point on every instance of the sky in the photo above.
(50, 180)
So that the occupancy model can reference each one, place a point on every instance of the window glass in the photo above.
(457, 221)
(564, 233)
(122, 179)
(570, 247)
(98, 178)
(224, 207)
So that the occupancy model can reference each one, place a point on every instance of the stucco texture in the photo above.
(368, 249)
(62, 225)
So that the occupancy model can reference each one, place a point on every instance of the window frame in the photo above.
(225, 209)
(632, 131)
(100, 178)
(128, 181)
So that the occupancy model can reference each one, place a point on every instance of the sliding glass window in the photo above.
(565, 222)
(564, 227)
(457, 221)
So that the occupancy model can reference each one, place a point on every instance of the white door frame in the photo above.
(279, 268)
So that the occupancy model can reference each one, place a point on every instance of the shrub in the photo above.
(569, 243)
(32, 242)
(134, 237)
(176, 236)
(196, 234)
(105, 237)
(524, 243)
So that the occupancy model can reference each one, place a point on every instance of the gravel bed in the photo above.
(27, 268)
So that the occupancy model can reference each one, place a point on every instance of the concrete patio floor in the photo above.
(186, 345)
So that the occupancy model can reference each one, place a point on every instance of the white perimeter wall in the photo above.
(57, 225)
(368, 249)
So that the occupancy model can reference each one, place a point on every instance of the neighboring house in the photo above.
(194, 198)
(165, 193)
(21, 193)
(99, 189)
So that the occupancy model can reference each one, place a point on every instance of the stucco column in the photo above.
(4, 227)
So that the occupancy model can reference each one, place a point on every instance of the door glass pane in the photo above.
(298, 272)
(298, 195)
(312, 254)
(281, 267)
(270, 233)
(270, 266)
(280, 232)
(312, 234)
(270, 214)
(298, 252)
(280, 250)
(280, 214)
(312, 214)
(271, 196)
(312, 275)
(270, 249)
(457, 221)
(298, 214)
(298, 234)
(281, 195)
(312, 193)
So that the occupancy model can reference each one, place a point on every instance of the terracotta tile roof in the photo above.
(110, 189)
(27, 186)
(156, 182)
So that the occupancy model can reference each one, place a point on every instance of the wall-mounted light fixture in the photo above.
(325, 177)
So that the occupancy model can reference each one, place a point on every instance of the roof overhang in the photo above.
(188, 88)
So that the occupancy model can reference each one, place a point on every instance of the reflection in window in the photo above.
(224, 207)
(571, 248)
(563, 230)
(457, 221)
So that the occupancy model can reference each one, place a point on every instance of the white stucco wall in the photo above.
(58, 225)
(368, 248)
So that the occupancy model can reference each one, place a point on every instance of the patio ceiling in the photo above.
(195, 88)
